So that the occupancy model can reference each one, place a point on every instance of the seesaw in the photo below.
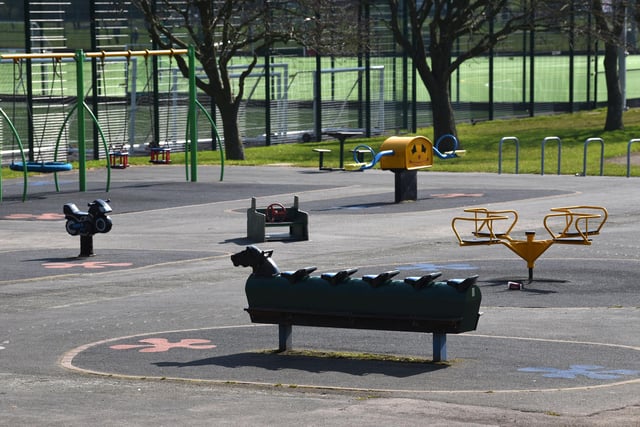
(425, 160)
(453, 153)
(574, 225)
(358, 152)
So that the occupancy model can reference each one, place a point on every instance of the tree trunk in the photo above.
(614, 91)
(436, 80)
(234, 150)
(444, 121)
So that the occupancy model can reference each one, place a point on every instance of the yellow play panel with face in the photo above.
(409, 153)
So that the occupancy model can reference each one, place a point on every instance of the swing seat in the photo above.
(43, 167)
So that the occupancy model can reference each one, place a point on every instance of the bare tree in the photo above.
(610, 18)
(329, 27)
(436, 26)
(219, 30)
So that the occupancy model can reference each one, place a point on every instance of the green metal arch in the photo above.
(102, 137)
(24, 161)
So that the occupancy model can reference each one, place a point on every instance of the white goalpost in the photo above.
(293, 102)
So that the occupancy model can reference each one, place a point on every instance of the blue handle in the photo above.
(450, 154)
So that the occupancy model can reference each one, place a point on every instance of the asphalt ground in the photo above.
(152, 330)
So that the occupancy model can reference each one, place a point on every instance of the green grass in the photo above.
(322, 354)
(481, 142)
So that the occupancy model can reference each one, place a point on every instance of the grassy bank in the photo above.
(481, 142)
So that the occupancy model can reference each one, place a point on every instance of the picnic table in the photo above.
(342, 136)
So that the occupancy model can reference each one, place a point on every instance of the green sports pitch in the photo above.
(512, 79)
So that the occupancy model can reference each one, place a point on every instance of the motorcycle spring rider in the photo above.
(87, 223)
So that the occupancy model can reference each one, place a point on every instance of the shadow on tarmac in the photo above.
(275, 362)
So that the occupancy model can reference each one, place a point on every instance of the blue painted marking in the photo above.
(42, 183)
(437, 267)
(593, 372)
(354, 207)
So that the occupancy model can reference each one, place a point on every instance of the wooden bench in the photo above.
(295, 220)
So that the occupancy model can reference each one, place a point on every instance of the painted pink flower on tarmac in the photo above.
(158, 345)
(86, 264)
(454, 195)
(49, 216)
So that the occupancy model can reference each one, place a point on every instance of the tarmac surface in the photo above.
(152, 329)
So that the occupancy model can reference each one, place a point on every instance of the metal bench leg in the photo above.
(321, 152)
(439, 347)
(284, 332)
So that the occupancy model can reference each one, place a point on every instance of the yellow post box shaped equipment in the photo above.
(409, 153)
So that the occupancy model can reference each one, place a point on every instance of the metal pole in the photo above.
(82, 153)
(439, 347)
(405, 70)
(559, 144)
(588, 141)
(267, 98)
(317, 98)
(532, 77)
(133, 109)
(193, 124)
(491, 74)
(622, 61)
(502, 140)
(572, 28)
(367, 73)
(267, 80)
(95, 92)
(28, 49)
(631, 141)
